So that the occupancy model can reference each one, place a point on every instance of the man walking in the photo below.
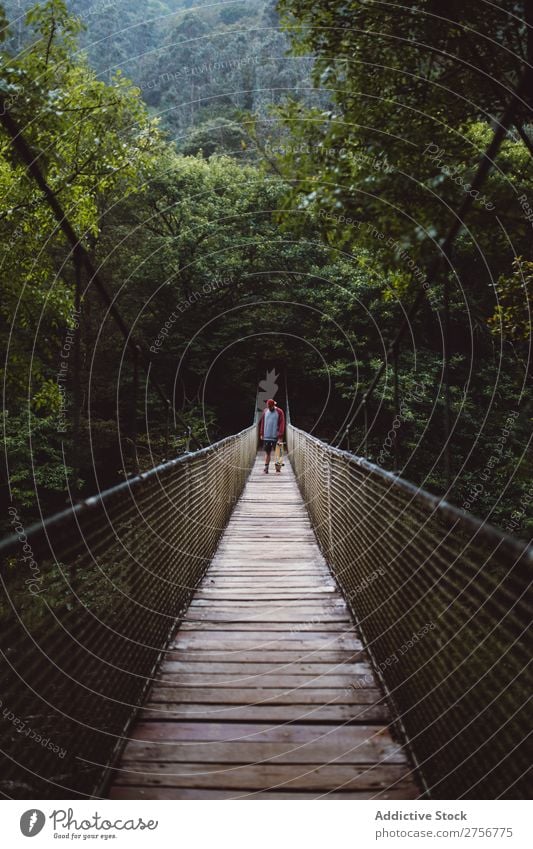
(271, 429)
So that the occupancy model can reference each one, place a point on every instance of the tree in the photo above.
(415, 91)
(91, 143)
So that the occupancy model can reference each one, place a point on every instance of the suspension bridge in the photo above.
(204, 630)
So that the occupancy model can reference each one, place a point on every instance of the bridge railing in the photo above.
(90, 600)
(441, 603)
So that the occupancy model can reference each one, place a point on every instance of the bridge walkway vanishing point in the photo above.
(265, 690)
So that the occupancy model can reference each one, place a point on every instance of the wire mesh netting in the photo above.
(441, 603)
(90, 600)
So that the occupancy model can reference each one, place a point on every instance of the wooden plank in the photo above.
(292, 526)
(267, 657)
(256, 638)
(293, 550)
(267, 712)
(199, 668)
(290, 570)
(153, 732)
(329, 604)
(243, 556)
(245, 573)
(238, 641)
(302, 581)
(297, 572)
(275, 583)
(298, 619)
(269, 608)
(257, 695)
(292, 621)
(265, 597)
(251, 513)
(253, 544)
(361, 751)
(260, 530)
(241, 624)
(254, 584)
(245, 553)
(263, 594)
(119, 791)
(246, 679)
(265, 776)
(263, 589)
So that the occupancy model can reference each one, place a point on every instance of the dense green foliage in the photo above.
(198, 65)
(414, 91)
(171, 235)
(93, 141)
(236, 240)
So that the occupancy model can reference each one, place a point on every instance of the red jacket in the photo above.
(281, 422)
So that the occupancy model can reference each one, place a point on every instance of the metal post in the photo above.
(167, 426)
(396, 430)
(365, 414)
(135, 393)
(76, 378)
(287, 409)
(446, 380)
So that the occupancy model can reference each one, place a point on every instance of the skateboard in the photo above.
(278, 457)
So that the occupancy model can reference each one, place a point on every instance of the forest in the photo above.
(255, 199)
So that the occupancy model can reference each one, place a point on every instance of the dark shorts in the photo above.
(269, 444)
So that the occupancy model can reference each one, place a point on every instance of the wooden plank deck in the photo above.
(265, 691)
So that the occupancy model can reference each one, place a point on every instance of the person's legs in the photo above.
(268, 451)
